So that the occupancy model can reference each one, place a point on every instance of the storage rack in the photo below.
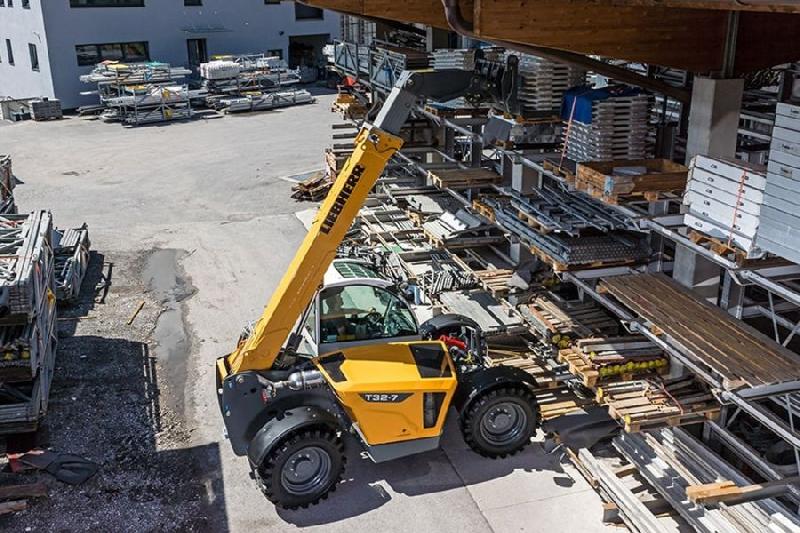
(657, 218)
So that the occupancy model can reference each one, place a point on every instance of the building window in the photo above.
(9, 52)
(2, 3)
(193, 2)
(26, 4)
(10, 3)
(34, 56)
(91, 54)
(105, 3)
(272, 2)
(303, 12)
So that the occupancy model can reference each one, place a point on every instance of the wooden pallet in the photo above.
(661, 175)
(732, 252)
(565, 170)
(495, 281)
(560, 267)
(567, 322)
(610, 369)
(617, 198)
(655, 403)
(483, 210)
(469, 178)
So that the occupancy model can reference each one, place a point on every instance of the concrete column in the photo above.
(714, 117)
(697, 273)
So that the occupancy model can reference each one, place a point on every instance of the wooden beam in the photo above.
(767, 6)
(690, 39)
(672, 33)
(766, 40)
(728, 492)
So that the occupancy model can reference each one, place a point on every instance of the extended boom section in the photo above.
(374, 148)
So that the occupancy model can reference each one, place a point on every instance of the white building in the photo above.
(45, 45)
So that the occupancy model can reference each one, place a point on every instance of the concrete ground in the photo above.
(198, 223)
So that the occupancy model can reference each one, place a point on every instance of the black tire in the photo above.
(303, 469)
(501, 421)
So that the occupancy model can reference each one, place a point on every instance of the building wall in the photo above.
(23, 26)
(229, 26)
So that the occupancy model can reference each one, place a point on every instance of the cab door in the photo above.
(357, 315)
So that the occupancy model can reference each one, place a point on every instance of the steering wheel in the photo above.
(374, 320)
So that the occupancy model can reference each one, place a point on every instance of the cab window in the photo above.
(363, 312)
(310, 324)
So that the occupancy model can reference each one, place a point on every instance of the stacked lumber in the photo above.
(27, 319)
(595, 360)
(562, 322)
(13, 497)
(313, 188)
(71, 254)
(458, 178)
(655, 403)
(648, 178)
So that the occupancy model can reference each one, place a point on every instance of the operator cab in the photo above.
(355, 307)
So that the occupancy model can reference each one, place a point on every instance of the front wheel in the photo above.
(500, 422)
(303, 469)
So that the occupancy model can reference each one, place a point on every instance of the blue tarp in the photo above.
(583, 98)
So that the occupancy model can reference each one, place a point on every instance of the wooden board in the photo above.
(662, 175)
(741, 355)
(463, 178)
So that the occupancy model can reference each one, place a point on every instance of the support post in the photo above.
(714, 117)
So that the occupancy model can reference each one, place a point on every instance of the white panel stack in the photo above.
(543, 83)
(219, 70)
(445, 59)
(725, 200)
(619, 130)
(779, 232)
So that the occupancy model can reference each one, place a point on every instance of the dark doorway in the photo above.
(198, 52)
(306, 51)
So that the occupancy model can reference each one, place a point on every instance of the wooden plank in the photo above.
(34, 490)
(729, 492)
(733, 349)
(13, 507)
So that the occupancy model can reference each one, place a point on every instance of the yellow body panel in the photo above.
(383, 390)
(373, 150)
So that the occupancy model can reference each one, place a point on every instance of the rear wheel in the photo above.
(303, 469)
(500, 422)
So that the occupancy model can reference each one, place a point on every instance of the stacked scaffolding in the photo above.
(140, 93)
(27, 321)
(71, 253)
(606, 124)
(543, 84)
(7, 184)
(251, 82)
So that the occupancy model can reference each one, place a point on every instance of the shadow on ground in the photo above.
(106, 405)
(427, 473)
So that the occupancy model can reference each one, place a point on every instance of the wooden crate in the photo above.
(458, 178)
(661, 175)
